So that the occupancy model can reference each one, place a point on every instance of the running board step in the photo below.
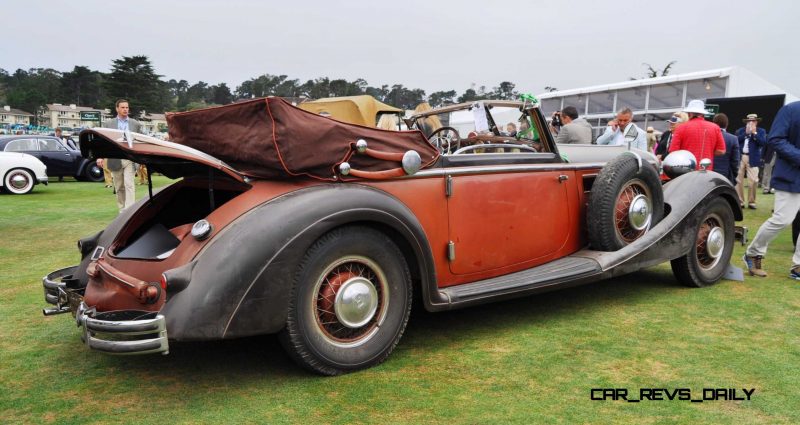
(568, 271)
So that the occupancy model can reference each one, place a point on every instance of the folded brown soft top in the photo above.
(270, 138)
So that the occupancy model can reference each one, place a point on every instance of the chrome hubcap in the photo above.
(640, 212)
(715, 242)
(356, 302)
(19, 181)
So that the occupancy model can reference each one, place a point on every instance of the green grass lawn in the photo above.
(531, 360)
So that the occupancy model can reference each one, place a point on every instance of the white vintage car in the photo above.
(20, 172)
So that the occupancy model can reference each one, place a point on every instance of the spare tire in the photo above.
(625, 202)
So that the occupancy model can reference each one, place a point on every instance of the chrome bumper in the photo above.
(124, 331)
(113, 332)
(55, 291)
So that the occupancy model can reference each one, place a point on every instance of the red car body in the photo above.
(323, 239)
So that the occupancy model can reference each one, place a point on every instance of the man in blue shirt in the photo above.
(122, 170)
(784, 138)
(622, 131)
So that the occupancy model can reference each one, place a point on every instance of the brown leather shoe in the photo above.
(754, 265)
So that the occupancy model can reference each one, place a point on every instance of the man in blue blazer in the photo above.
(784, 138)
(727, 164)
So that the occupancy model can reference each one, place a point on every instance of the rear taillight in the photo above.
(163, 281)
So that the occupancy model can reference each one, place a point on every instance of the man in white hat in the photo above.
(752, 140)
(698, 136)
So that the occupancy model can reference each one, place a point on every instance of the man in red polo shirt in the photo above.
(700, 137)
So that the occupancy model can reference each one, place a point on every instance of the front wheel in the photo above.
(707, 259)
(18, 181)
(350, 302)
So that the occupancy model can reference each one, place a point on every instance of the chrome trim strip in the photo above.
(526, 148)
(521, 168)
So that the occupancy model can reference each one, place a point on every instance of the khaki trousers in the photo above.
(123, 184)
(107, 175)
(766, 177)
(752, 177)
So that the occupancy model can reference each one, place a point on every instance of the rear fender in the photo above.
(242, 279)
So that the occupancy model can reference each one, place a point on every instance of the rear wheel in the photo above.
(18, 181)
(706, 261)
(350, 302)
(625, 202)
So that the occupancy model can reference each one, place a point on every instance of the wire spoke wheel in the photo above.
(708, 256)
(710, 238)
(626, 201)
(632, 211)
(350, 301)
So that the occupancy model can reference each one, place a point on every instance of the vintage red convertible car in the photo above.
(291, 223)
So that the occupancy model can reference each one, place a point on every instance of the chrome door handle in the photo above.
(562, 177)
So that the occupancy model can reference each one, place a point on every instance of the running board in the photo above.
(569, 271)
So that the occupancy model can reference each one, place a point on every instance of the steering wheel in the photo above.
(446, 139)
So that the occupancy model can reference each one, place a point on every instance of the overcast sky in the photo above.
(427, 44)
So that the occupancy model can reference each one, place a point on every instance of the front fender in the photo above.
(82, 168)
(674, 235)
(686, 191)
(243, 278)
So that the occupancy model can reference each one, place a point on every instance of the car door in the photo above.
(499, 219)
(59, 160)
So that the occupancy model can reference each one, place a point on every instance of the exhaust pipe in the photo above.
(52, 311)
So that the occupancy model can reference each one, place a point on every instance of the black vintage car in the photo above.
(60, 159)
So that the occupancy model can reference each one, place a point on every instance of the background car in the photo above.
(20, 172)
(361, 110)
(61, 160)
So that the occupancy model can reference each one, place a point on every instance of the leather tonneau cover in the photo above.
(270, 138)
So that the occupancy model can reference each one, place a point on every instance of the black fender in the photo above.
(82, 168)
(674, 235)
(241, 281)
